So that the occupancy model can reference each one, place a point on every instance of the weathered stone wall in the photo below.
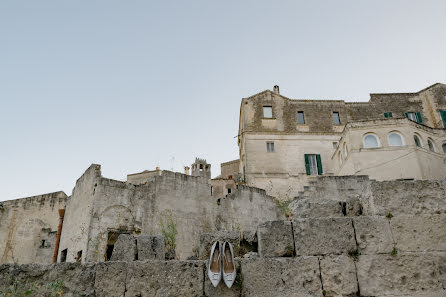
(28, 228)
(106, 206)
(230, 168)
(337, 256)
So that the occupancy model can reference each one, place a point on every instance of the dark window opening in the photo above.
(112, 237)
(229, 190)
(42, 245)
(218, 201)
(79, 256)
(212, 191)
(63, 255)
(109, 252)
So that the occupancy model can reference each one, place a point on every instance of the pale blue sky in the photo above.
(135, 84)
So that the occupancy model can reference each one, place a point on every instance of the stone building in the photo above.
(285, 143)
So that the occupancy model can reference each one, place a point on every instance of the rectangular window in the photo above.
(414, 116)
(270, 147)
(443, 117)
(388, 115)
(300, 117)
(63, 255)
(313, 164)
(229, 190)
(336, 119)
(267, 112)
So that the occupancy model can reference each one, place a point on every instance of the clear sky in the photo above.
(132, 85)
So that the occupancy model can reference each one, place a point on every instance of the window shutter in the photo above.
(406, 114)
(419, 118)
(443, 117)
(319, 164)
(307, 165)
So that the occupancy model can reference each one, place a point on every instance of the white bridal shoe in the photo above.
(214, 269)
(229, 271)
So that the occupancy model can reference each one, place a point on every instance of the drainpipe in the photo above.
(59, 231)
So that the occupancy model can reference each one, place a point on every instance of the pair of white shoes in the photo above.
(221, 263)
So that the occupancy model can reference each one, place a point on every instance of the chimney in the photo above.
(276, 89)
(186, 170)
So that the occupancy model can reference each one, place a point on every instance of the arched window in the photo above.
(444, 147)
(431, 145)
(395, 139)
(345, 150)
(370, 141)
(417, 140)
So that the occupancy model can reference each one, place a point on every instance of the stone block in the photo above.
(338, 276)
(275, 239)
(150, 247)
(125, 248)
(373, 235)
(409, 197)
(316, 208)
(73, 279)
(208, 239)
(110, 279)
(221, 290)
(323, 236)
(281, 277)
(400, 275)
(353, 207)
(419, 232)
(165, 278)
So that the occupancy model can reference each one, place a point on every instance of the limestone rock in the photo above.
(420, 232)
(222, 290)
(165, 278)
(281, 277)
(125, 248)
(353, 207)
(409, 197)
(208, 239)
(400, 275)
(73, 279)
(110, 279)
(373, 234)
(322, 236)
(338, 276)
(150, 247)
(316, 208)
(275, 239)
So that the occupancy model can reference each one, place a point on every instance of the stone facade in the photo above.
(28, 228)
(283, 169)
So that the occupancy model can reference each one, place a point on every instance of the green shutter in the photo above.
(388, 115)
(307, 165)
(319, 164)
(443, 117)
(419, 118)
(406, 114)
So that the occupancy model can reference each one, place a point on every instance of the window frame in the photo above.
(396, 133)
(443, 147)
(317, 157)
(271, 108)
(388, 115)
(338, 118)
(377, 140)
(270, 147)
(303, 118)
(433, 148)
(416, 136)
